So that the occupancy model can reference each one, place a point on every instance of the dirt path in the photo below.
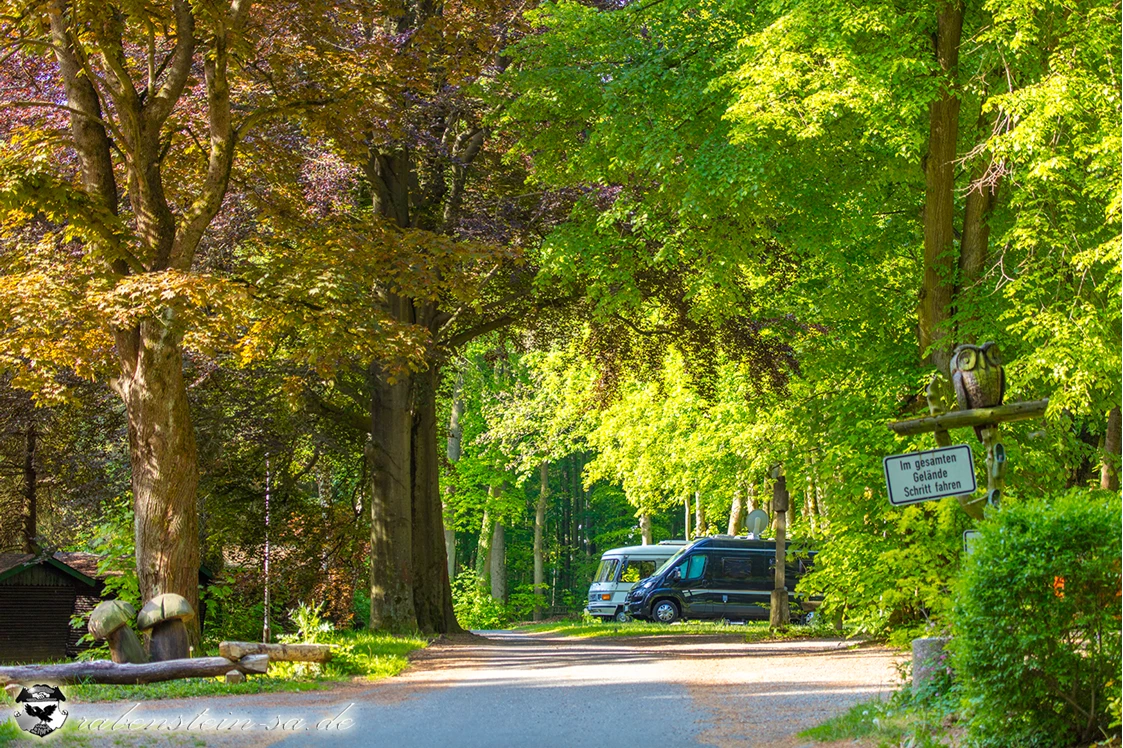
(517, 689)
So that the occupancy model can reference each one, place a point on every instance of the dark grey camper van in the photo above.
(714, 578)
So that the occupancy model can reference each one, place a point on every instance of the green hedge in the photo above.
(1037, 623)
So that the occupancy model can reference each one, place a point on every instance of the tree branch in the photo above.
(179, 68)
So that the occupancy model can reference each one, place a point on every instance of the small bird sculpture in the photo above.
(978, 378)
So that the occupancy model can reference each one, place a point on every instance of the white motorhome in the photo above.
(619, 570)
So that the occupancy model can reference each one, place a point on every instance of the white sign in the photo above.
(969, 538)
(932, 474)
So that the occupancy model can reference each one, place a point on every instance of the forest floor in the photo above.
(513, 688)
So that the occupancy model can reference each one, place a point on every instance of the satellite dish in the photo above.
(756, 522)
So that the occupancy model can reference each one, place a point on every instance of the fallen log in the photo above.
(276, 652)
(104, 671)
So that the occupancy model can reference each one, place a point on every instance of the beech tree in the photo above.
(107, 200)
(423, 251)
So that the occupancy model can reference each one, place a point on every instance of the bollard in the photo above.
(926, 661)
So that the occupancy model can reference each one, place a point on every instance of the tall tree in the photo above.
(147, 96)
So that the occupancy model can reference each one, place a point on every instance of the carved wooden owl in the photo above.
(977, 377)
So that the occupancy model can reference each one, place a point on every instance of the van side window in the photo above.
(695, 566)
(736, 568)
(637, 569)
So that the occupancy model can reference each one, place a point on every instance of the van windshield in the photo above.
(667, 564)
(606, 572)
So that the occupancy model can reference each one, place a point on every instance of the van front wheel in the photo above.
(622, 616)
(665, 611)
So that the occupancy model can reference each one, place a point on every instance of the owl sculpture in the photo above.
(977, 377)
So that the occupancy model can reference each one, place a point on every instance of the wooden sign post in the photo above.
(986, 421)
(779, 614)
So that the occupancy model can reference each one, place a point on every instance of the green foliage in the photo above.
(1037, 629)
(475, 608)
(113, 540)
(897, 721)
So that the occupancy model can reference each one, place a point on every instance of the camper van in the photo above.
(619, 569)
(719, 578)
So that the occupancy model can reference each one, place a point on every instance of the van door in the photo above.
(693, 585)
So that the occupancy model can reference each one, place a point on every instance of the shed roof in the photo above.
(12, 564)
(83, 566)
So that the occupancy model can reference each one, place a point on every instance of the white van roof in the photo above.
(657, 551)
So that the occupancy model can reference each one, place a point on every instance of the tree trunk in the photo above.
(432, 593)
(1109, 471)
(737, 513)
(455, 435)
(575, 514)
(699, 515)
(30, 484)
(645, 528)
(809, 508)
(565, 536)
(539, 532)
(686, 519)
(498, 563)
(389, 468)
(940, 261)
(483, 546)
(164, 466)
(976, 231)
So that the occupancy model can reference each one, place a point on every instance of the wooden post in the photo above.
(779, 613)
(940, 397)
(996, 465)
(975, 417)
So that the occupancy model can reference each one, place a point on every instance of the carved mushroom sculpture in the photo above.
(165, 616)
(110, 621)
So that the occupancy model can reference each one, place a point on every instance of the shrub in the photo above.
(1037, 627)
(474, 607)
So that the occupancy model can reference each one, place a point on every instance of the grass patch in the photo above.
(902, 720)
(184, 689)
(752, 631)
(359, 654)
(876, 719)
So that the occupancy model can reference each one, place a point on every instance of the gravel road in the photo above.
(518, 689)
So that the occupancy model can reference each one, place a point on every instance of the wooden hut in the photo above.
(38, 596)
